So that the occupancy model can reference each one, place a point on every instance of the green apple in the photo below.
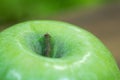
(52, 50)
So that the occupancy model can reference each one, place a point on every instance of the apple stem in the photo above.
(47, 45)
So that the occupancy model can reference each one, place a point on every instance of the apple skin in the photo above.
(76, 53)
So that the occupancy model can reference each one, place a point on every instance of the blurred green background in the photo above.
(19, 10)
(101, 17)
